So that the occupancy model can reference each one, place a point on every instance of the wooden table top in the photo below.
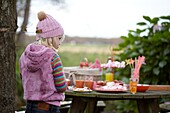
(121, 95)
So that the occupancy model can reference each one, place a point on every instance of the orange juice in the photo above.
(109, 77)
(79, 83)
(89, 84)
(133, 85)
(68, 82)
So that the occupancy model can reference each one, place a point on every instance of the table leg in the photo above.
(91, 106)
(77, 105)
(81, 105)
(148, 106)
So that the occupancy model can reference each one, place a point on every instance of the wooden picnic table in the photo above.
(147, 102)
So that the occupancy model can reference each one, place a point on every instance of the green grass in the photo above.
(73, 59)
(71, 55)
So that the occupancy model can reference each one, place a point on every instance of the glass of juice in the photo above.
(79, 83)
(89, 84)
(133, 85)
(109, 77)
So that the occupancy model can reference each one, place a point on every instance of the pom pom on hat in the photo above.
(48, 27)
(41, 15)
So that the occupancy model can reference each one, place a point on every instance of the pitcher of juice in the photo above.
(109, 77)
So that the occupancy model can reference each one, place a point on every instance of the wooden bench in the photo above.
(165, 107)
(66, 105)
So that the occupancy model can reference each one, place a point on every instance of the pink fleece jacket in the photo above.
(36, 74)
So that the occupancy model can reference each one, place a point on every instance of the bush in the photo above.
(153, 42)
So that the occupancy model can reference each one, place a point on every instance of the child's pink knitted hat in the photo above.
(48, 27)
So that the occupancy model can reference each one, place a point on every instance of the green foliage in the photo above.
(152, 40)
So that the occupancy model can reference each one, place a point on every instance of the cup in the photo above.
(133, 85)
(89, 84)
(109, 77)
(79, 83)
(68, 82)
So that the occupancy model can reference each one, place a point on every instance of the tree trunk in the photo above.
(21, 33)
(8, 26)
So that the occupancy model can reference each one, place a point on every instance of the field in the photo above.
(88, 48)
(72, 54)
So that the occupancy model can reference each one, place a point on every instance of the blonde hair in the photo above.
(48, 42)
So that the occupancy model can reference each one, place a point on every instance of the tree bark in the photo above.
(8, 26)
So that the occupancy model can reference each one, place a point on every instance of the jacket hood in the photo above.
(36, 55)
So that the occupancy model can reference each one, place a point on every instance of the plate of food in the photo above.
(113, 89)
(115, 86)
(82, 90)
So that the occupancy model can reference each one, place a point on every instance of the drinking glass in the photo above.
(79, 83)
(133, 85)
(109, 77)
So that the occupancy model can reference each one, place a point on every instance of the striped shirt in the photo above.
(58, 74)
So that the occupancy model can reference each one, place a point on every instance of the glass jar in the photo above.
(133, 85)
(109, 74)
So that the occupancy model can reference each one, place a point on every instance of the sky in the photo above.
(97, 18)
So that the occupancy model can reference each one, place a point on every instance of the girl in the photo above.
(41, 68)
